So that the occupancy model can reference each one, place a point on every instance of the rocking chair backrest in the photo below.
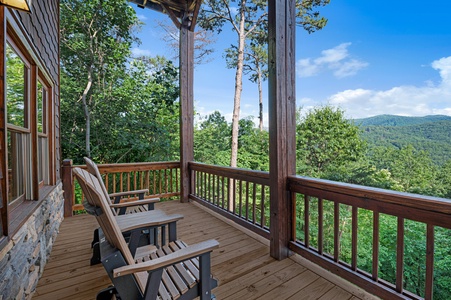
(93, 169)
(107, 221)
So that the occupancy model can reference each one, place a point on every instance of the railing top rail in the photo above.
(141, 166)
(427, 203)
(235, 173)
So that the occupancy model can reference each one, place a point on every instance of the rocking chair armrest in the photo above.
(145, 220)
(127, 193)
(134, 203)
(168, 260)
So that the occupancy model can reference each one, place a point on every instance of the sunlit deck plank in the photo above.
(242, 263)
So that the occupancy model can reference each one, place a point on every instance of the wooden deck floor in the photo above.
(242, 263)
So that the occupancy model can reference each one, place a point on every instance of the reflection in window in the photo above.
(43, 151)
(15, 166)
(15, 88)
(41, 98)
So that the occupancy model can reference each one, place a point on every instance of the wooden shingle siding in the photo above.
(42, 27)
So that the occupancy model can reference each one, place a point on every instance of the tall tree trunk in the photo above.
(238, 90)
(260, 97)
(87, 113)
(237, 101)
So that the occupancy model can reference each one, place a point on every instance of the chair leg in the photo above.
(108, 293)
(95, 259)
(95, 238)
(204, 280)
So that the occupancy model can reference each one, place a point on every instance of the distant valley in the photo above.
(429, 133)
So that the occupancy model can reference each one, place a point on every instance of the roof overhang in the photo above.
(180, 11)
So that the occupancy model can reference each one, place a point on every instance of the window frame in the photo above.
(13, 214)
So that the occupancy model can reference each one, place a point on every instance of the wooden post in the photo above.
(3, 130)
(282, 121)
(186, 105)
(68, 187)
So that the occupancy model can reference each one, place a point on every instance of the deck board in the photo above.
(241, 264)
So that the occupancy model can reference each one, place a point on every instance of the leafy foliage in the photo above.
(326, 141)
(113, 109)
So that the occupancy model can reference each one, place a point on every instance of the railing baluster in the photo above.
(223, 192)
(234, 196)
(135, 182)
(429, 262)
(375, 271)
(171, 183)
(240, 188)
(160, 181)
(166, 181)
(293, 198)
(141, 180)
(114, 183)
(247, 200)
(354, 238)
(214, 191)
(307, 221)
(400, 255)
(336, 231)
(229, 195)
(107, 181)
(262, 208)
(320, 225)
(209, 187)
(254, 202)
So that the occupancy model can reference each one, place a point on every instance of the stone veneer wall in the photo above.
(22, 261)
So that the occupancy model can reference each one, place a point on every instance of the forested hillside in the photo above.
(430, 133)
(391, 120)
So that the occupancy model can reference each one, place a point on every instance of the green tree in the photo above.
(96, 37)
(246, 17)
(444, 180)
(212, 140)
(326, 141)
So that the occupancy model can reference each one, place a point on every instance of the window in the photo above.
(42, 95)
(28, 100)
(18, 134)
(27, 137)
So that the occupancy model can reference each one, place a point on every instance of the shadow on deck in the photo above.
(242, 263)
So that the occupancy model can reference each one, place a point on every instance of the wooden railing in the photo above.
(381, 240)
(241, 195)
(394, 245)
(162, 179)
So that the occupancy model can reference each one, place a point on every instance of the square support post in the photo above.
(282, 120)
(186, 105)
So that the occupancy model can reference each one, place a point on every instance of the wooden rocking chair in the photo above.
(140, 208)
(122, 207)
(174, 271)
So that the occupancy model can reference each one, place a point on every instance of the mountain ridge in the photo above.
(394, 120)
(429, 133)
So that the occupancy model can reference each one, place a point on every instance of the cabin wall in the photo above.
(29, 230)
(23, 259)
(42, 28)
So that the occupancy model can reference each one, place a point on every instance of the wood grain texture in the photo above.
(239, 263)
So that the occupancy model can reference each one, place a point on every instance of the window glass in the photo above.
(15, 166)
(41, 99)
(15, 88)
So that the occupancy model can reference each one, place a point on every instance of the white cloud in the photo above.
(337, 59)
(334, 55)
(405, 100)
(349, 68)
(141, 52)
(141, 17)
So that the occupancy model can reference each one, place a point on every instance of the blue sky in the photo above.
(373, 57)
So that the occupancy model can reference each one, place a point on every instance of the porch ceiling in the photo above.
(175, 9)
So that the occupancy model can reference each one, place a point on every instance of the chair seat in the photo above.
(176, 279)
